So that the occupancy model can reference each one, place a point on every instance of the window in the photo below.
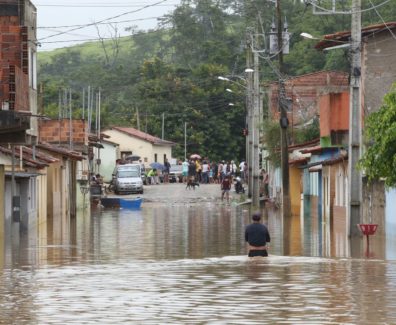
(155, 158)
(164, 158)
(125, 154)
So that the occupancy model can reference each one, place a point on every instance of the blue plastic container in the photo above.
(130, 203)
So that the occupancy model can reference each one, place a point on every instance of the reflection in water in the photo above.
(188, 264)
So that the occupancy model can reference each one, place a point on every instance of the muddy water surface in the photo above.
(186, 264)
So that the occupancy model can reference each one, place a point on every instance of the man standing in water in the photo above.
(257, 236)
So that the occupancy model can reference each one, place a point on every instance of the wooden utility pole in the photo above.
(355, 177)
(286, 206)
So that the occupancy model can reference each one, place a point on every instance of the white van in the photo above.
(127, 179)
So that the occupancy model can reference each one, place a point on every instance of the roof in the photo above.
(314, 149)
(27, 158)
(335, 39)
(303, 145)
(298, 161)
(68, 153)
(143, 136)
(327, 162)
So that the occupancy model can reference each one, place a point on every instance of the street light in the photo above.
(309, 36)
(341, 46)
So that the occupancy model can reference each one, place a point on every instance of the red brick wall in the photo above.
(304, 92)
(56, 131)
(14, 87)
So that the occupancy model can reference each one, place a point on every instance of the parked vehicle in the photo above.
(176, 174)
(127, 179)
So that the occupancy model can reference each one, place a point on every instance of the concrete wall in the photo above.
(108, 156)
(139, 147)
(295, 190)
(334, 113)
(378, 69)
(2, 215)
(41, 199)
(374, 193)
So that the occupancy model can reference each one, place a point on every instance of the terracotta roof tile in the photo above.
(143, 136)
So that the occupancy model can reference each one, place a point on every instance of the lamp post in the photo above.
(252, 121)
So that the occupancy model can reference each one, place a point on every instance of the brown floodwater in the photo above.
(186, 264)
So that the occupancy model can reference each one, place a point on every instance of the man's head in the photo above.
(256, 216)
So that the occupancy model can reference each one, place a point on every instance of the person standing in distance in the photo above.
(257, 236)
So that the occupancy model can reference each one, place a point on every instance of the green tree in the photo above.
(379, 160)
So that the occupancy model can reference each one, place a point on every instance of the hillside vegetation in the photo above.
(173, 71)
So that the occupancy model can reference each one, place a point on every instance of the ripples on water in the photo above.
(187, 265)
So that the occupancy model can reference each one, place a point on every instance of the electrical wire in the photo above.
(111, 22)
(379, 15)
(346, 12)
(103, 20)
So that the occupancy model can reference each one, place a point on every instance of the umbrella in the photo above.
(195, 156)
(132, 157)
(156, 165)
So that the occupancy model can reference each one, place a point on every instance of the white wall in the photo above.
(142, 148)
(108, 157)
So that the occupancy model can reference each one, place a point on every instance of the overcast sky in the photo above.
(52, 15)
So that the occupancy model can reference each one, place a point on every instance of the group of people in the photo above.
(207, 172)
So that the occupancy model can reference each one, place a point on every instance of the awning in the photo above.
(315, 169)
(325, 162)
(22, 174)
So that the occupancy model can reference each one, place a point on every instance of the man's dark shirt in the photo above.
(256, 234)
(191, 169)
(167, 167)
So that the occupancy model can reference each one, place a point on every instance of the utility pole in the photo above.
(138, 118)
(255, 129)
(185, 140)
(286, 205)
(163, 125)
(70, 121)
(249, 99)
(355, 177)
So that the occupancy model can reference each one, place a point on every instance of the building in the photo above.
(18, 113)
(18, 88)
(378, 73)
(61, 196)
(134, 142)
(302, 95)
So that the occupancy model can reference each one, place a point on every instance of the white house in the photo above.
(134, 142)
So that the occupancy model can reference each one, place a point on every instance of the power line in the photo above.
(373, 7)
(101, 6)
(379, 15)
(103, 20)
(110, 22)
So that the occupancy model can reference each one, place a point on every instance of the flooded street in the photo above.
(181, 259)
